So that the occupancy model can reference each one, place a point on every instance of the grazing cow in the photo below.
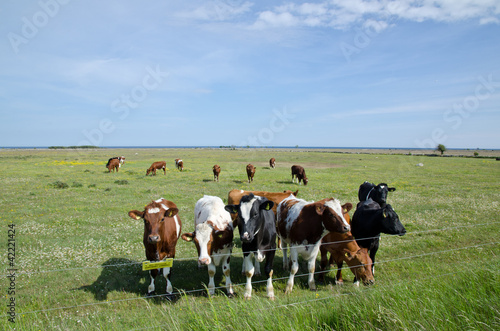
(157, 166)
(343, 247)
(114, 163)
(300, 173)
(301, 225)
(162, 228)
(258, 237)
(369, 220)
(213, 237)
(376, 193)
(179, 164)
(216, 170)
(272, 162)
(250, 172)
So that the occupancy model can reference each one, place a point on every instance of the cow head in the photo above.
(250, 216)
(390, 221)
(332, 216)
(149, 171)
(154, 216)
(206, 237)
(360, 264)
(305, 180)
(376, 193)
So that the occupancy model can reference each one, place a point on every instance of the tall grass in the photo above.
(77, 251)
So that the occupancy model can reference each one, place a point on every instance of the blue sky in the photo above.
(339, 73)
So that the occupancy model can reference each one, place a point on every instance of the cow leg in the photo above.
(166, 274)
(286, 265)
(311, 265)
(269, 272)
(151, 287)
(294, 257)
(164, 171)
(338, 277)
(257, 267)
(211, 275)
(249, 270)
(323, 264)
(227, 272)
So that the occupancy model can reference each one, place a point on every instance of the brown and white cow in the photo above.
(343, 247)
(162, 228)
(179, 164)
(301, 225)
(213, 237)
(114, 163)
(216, 170)
(157, 166)
(300, 173)
(250, 172)
(272, 162)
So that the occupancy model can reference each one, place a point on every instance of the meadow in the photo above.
(78, 255)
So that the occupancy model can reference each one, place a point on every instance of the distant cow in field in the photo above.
(162, 228)
(376, 193)
(301, 225)
(369, 220)
(213, 237)
(272, 162)
(114, 163)
(216, 170)
(250, 172)
(300, 173)
(157, 166)
(179, 164)
(258, 237)
(343, 247)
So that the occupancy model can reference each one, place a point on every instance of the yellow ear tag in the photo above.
(137, 217)
(346, 255)
(146, 265)
(267, 207)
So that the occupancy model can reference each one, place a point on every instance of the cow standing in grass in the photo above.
(213, 237)
(250, 172)
(300, 174)
(216, 170)
(115, 163)
(160, 165)
(272, 163)
(301, 225)
(162, 228)
(179, 164)
(258, 237)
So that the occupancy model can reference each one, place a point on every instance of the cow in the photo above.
(162, 228)
(216, 170)
(343, 247)
(369, 220)
(213, 237)
(257, 230)
(301, 225)
(114, 163)
(179, 164)
(300, 173)
(272, 162)
(250, 172)
(377, 193)
(157, 166)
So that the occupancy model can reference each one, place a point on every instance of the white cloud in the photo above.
(218, 10)
(342, 14)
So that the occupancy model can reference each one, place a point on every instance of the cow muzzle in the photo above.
(245, 237)
(204, 261)
(153, 239)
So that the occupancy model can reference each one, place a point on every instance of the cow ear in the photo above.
(346, 207)
(320, 209)
(232, 209)
(267, 205)
(391, 189)
(135, 214)
(188, 236)
(171, 212)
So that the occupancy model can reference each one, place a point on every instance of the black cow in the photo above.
(256, 224)
(369, 220)
(376, 193)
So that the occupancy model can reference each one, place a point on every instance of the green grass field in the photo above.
(77, 252)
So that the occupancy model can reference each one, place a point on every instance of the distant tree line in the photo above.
(73, 147)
